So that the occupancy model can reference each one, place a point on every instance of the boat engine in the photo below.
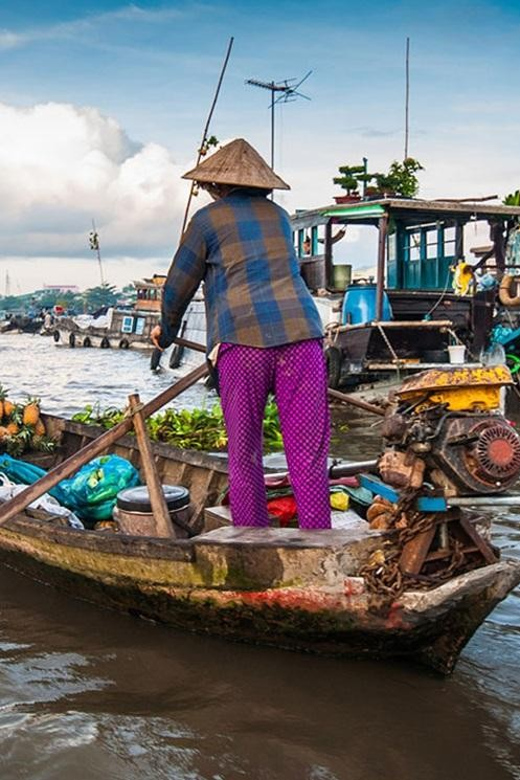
(444, 427)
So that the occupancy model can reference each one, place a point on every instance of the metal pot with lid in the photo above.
(134, 514)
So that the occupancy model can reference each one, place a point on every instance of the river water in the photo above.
(89, 694)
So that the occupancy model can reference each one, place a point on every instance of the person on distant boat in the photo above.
(307, 242)
(264, 331)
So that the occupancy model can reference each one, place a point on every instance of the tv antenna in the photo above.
(281, 92)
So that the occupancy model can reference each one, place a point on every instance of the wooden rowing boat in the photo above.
(283, 587)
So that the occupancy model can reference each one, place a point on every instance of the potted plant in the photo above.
(349, 181)
(401, 179)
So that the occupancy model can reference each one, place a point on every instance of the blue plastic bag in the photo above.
(90, 493)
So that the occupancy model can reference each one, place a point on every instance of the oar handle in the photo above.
(336, 394)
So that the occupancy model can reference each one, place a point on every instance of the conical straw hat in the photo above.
(239, 164)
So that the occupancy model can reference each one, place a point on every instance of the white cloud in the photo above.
(10, 40)
(83, 26)
(63, 165)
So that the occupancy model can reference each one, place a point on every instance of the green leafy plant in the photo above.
(350, 177)
(207, 144)
(513, 199)
(401, 178)
(196, 429)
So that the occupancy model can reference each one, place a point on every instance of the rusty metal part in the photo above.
(480, 456)
(392, 569)
(394, 427)
(402, 469)
(455, 376)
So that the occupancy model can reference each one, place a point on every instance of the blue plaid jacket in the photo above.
(241, 247)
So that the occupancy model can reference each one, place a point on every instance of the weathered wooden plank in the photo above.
(415, 551)
(162, 519)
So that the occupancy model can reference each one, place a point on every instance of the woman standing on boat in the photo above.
(264, 331)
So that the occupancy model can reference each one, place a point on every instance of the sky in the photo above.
(102, 107)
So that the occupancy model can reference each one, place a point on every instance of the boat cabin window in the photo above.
(309, 242)
(450, 237)
(392, 247)
(423, 257)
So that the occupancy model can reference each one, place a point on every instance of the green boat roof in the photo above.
(410, 211)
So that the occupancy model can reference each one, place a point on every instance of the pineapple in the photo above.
(15, 421)
(25, 433)
(12, 428)
(9, 407)
(3, 432)
(39, 428)
(31, 412)
(3, 395)
(14, 446)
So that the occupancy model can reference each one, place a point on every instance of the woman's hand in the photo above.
(155, 335)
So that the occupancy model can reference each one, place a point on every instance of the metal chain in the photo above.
(384, 579)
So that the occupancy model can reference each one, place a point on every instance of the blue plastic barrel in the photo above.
(359, 305)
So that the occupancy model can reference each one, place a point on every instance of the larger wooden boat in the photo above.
(424, 295)
(281, 586)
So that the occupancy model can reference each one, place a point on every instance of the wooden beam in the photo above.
(163, 523)
(381, 262)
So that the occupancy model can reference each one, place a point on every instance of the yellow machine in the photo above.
(457, 388)
(447, 430)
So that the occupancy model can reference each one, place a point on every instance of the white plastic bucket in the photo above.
(457, 353)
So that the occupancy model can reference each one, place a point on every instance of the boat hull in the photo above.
(264, 587)
(127, 329)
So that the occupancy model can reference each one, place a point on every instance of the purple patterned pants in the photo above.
(297, 376)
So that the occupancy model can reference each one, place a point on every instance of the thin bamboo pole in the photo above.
(206, 130)
(407, 100)
(348, 399)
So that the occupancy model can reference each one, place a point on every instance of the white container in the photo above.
(457, 353)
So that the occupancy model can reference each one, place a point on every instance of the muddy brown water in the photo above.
(88, 694)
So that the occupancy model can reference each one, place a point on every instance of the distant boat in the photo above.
(406, 318)
(111, 327)
(21, 323)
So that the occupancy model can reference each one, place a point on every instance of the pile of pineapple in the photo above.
(21, 427)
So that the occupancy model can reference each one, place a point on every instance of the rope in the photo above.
(387, 342)
(131, 411)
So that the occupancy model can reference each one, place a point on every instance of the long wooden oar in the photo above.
(95, 448)
(348, 399)
(336, 394)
